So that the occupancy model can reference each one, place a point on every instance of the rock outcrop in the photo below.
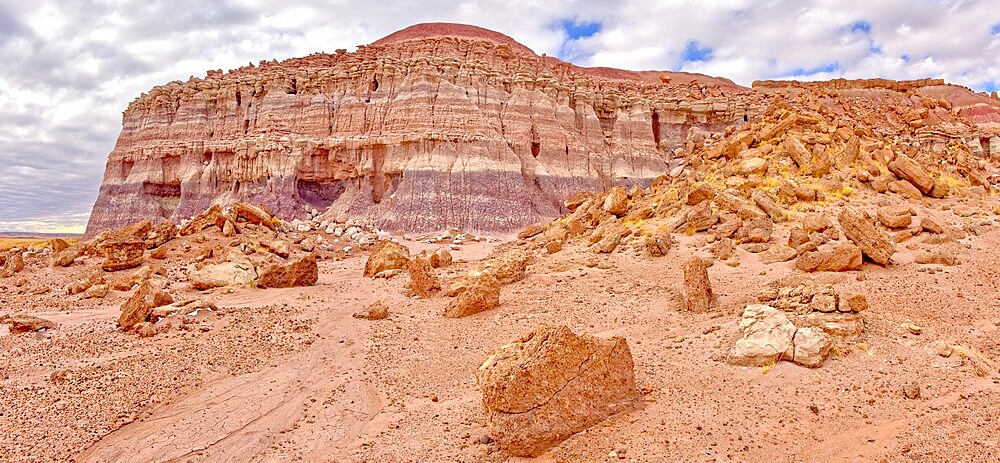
(435, 126)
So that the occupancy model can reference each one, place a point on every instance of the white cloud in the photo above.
(68, 69)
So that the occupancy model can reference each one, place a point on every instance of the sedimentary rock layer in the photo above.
(435, 126)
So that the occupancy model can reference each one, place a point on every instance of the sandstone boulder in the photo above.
(160, 234)
(252, 214)
(897, 216)
(95, 277)
(766, 337)
(753, 165)
(479, 294)
(904, 189)
(96, 292)
(577, 199)
(798, 152)
(238, 271)
(387, 255)
(509, 267)
(140, 304)
(838, 258)
(777, 253)
(551, 384)
(767, 204)
(440, 258)
(27, 324)
(737, 205)
(121, 255)
(616, 202)
(697, 286)
(423, 282)
(907, 169)
(302, 271)
(860, 229)
(699, 194)
(811, 347)
(11, 264)
(375, 311)
(280, 248)
(67, 256)
(531, 230)
(658, 242)
(701, 217)
(212, 216)
(941, 256)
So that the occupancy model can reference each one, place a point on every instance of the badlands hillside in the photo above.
(443, 247)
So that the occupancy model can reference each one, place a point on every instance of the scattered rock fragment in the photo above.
(375, 311)
(27, 324)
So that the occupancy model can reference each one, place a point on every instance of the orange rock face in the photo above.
(435, 126)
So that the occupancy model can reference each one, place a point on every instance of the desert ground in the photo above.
(288, 374)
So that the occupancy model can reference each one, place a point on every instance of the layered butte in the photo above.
(445, 125)
(435, 126)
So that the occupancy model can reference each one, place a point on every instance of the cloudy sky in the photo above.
(69, 67)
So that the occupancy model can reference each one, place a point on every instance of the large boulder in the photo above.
(237, 271)
(478, 294)
(909, 170)
(860, 229)
(212, 216)
(616, 202)
(293, 272)
(11, 263)
(551, 384)
(766, 337)
(253, 214)
(160, 234)
(697, 286)
(837, 258)
(387, 255)
(423, 281)
(67, 256)
(895, 216)
(137, 308)
(509, 267)
(121, 255)
(811, 347)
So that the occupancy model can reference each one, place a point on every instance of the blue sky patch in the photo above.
(579, 29)
(864, 27)
(695, 52)
(995, 30)
(988, 87)
(826, 68)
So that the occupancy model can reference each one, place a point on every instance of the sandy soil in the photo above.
(289, 375)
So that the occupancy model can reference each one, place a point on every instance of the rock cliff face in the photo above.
(445, 125)
(435, 126)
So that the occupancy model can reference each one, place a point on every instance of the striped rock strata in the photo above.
(435, 126)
